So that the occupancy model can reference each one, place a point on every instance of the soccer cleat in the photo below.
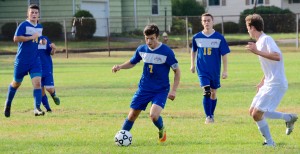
(7, 111)
(49, 111)
(290, 124)
(38, 112)
(269, 144)
(56, 100)
(209, 120)
(162, 135)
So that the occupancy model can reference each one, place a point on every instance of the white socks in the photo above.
(277, 115)
(264, 130)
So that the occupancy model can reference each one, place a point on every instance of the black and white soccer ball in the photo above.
(123, 138)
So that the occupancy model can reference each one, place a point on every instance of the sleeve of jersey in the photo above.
(172, 61)
(21, 30)
(271, 45)
(224, 47)
(194, 45)
(136, 58)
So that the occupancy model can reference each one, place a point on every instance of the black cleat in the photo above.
(7, 111)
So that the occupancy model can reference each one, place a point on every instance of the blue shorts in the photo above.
(214, 84)
(47, 79)
(141, 99)
(21, 70)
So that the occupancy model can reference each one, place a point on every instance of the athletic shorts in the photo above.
(47, 79)
(141, 99)
(214, 84)
(21, 70)
(268, 98)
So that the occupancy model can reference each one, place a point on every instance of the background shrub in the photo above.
(53, 30)
(275, 19)
(8, 30)
(229, 27)
(85, 25)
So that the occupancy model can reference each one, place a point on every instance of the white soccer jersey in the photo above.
(273, 70)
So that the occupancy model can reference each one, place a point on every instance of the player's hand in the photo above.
(172, 95)
(192, 69)
(251, 46)
(259, 86)
(116, 68)
(43, 41)
(35, 36)
(224, 75)
(53, 46)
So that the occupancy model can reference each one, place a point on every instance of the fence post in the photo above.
(108, 36)
(222, 25)
(66, 42)
(297, 30)
(187, 33)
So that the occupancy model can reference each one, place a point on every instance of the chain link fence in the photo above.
(113, 34)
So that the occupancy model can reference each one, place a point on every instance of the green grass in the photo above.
(95, 102)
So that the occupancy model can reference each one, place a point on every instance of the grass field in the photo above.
(94, 103)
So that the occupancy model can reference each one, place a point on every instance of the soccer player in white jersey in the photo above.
(273, 85)
(154, 85)
(27, 59)
(210, 47)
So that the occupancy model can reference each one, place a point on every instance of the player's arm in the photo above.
(126, 65)
(224, 73)
(172, 93)
(193, 56)
(26, 38)
(269, 55)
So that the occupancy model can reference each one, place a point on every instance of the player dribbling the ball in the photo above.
(154, 85)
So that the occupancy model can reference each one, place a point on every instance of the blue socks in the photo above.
(213, 106)
(207, 105)
(37, 95)
(45, 102)
(127, 125)
(10, 95)
(159, 123)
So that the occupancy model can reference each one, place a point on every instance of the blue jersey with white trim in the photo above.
(157, 64)
(210, 49)
(27, 51)
(45, 55)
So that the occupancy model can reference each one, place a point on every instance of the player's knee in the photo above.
(207, 91)
(15, 84)
(256, 117)
(153, 117)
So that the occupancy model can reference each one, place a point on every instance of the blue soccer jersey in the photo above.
(27, 51)
(210, 49)
(45, 56)
(157, 64)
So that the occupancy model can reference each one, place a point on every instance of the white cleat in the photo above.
(209, 120)
(38, 112)
(290, 124)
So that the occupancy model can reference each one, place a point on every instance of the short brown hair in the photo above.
(256, 21)
(151, 29)
(207, 15)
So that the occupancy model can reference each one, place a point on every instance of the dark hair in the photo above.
(208, 15)
(256, 21)
(151, 29)
(34, 6)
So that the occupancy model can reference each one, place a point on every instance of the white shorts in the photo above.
(268, 98)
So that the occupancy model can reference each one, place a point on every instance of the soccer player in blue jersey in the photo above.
(45, 52)
(154, 85)
(211, 48)
(27, 60)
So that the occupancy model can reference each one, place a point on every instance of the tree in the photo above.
(187, 8)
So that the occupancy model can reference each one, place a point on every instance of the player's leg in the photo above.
(277, 95)
(129, 121)
(37, 95)
(139, 102)
(263, 127)
(49, 85)
(158, 104)
(206, 101)
(19, 73)
(45, 99)
(213, 97)
(12, 89)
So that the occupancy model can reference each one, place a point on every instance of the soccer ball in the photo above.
(123, 138)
